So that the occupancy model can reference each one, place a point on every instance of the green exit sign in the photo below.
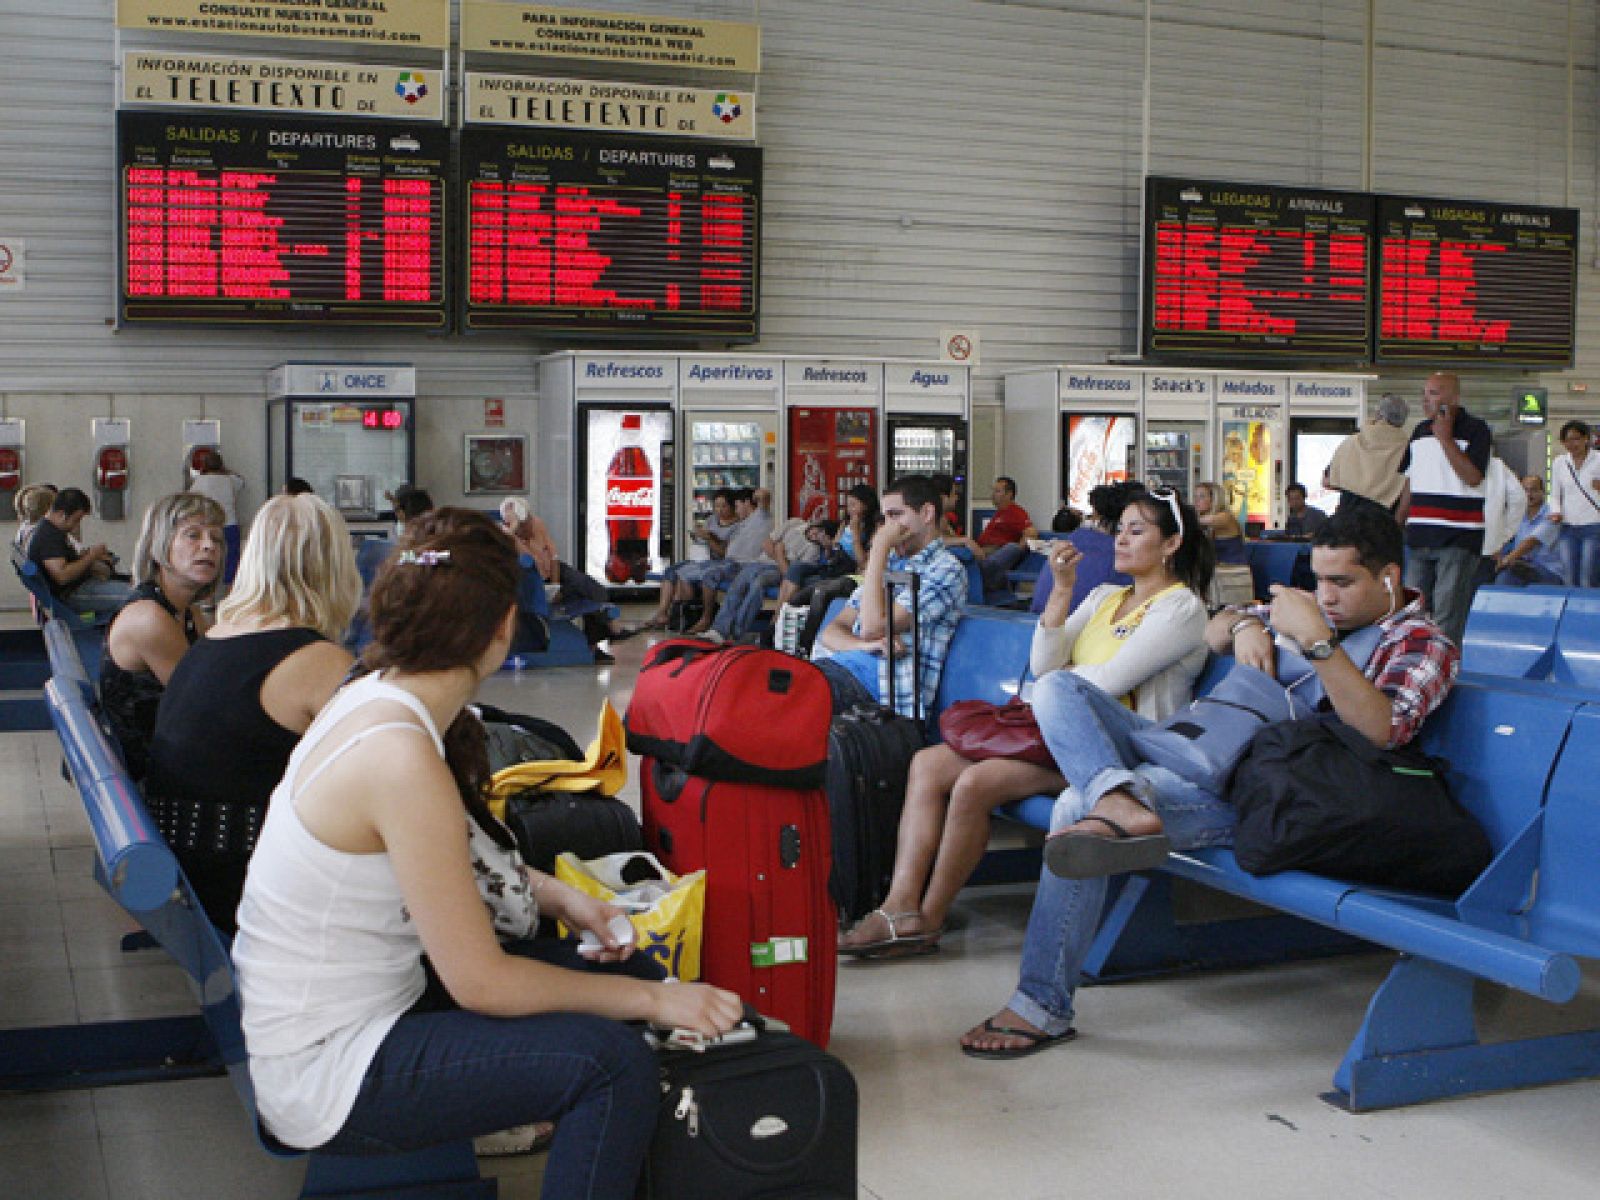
(1531, 406)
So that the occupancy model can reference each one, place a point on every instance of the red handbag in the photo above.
(977, 729)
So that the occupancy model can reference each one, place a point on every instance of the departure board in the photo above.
(611, 237)
(1462, 282)
(256, 219)
(1249, 271)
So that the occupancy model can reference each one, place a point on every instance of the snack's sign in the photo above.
(611, 107)
(655, 39)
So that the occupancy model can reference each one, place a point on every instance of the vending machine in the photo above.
(928, 410)
(832, 432)
(1323, 411)
(605, 467)
(1173, 453)
(1252, 442)
(731, 407)
(1069, 429)
(347, 429)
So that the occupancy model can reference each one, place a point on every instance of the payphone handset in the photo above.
(200, 435)
(13, 457)
(112, 472)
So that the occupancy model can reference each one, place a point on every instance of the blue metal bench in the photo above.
(1516, 764)
(45, 602)
(138, 870)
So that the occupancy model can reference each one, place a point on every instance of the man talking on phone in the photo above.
(1444, 467)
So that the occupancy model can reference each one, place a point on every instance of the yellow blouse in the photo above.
(1103, 636)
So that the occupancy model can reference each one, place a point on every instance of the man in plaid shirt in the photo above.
(1123, 814)
(862, 644)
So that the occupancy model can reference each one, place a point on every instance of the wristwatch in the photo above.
(1321, 649)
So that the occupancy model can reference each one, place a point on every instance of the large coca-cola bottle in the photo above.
(630, 505)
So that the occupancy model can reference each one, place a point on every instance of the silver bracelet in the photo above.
(1242, 622)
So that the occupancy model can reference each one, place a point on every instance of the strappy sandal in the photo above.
(1032, 1042)
(897, 944)
(1092, 855)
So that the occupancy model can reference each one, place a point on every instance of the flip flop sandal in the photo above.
(1034, 1042)
(1092, 855)
(897, 944)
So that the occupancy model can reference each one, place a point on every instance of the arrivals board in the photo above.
(1463, 282)
(1250, 271)
(270, 220)
(610, 237)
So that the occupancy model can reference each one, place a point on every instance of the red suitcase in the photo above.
(770, 933)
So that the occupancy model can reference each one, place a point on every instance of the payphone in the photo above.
(111, 468)
(12, 460)
(199, 436)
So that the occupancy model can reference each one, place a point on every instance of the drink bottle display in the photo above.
(630, 506)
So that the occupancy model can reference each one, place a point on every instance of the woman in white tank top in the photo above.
(362, 868)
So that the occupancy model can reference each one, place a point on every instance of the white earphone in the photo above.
(1394, 601)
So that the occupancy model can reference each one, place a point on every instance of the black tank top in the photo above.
(129, 698)
(213, 742)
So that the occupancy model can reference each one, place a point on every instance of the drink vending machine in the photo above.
(928, 409)
(605, 468)
(833, 412)
(1068, 430)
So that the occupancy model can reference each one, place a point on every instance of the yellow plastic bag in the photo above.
(669, 931)
(604, 768)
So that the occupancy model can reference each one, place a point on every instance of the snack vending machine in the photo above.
(833, 413)
(731, 406)
(1172, 454)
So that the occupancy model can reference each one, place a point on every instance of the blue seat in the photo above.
(138, 869)
(1511, 632)
(1274, 562)
(1518, 761)
(1577, 642)
(45, 602)
(546, 637)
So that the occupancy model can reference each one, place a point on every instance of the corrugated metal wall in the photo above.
(930, 163)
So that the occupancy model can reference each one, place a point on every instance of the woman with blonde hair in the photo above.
(1220, 523)
(32, 503)
(236, 707)
(177, 562)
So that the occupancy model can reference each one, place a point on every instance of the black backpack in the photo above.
(1316, 795)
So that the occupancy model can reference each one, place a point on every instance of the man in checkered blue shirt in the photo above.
(862, 644)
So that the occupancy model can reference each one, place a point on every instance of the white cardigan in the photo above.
(1575, 501)
(1158, 663)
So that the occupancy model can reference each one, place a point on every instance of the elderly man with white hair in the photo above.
(533, 538)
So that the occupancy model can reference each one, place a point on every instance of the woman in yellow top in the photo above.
(1143, 643)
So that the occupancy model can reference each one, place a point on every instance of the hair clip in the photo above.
(424, 558)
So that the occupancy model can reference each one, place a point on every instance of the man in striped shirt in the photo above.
(1444, 468)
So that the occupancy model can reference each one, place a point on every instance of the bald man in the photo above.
(1444, 466)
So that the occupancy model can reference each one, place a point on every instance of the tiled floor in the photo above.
(1200, 1087)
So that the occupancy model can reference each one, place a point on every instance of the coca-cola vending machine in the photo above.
(625, 489)
(1100, 449)
(835, 410)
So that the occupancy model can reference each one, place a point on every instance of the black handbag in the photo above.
(588, 824)
(1316, 795)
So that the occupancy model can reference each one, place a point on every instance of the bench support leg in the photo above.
(1420, 1042)
(447, 1172)
(61, 1058)
(1140, 936)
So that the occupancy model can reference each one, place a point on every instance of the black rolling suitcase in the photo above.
(869, 757)
(772, 1117)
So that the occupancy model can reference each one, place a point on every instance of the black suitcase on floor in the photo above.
(775, 1117)
(869, 757)
(588, 824)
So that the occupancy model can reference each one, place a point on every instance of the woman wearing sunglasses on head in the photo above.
(1143, 643)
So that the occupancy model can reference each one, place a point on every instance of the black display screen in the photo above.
(624, 237)
(1460, 281)
(1255, 272)
(258, 219)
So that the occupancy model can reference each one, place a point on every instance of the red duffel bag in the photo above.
(737, 713)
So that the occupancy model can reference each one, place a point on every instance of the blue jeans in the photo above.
(443, 1074)
(742, 605)
(98, 595)
(997, 562)
(1444, 575)
(1087, 732)
(1579, 547)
